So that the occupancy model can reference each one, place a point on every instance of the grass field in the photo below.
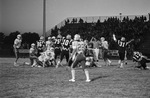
(107, 82)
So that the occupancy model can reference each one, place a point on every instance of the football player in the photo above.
(122, 48)
(57, 45)
(66, 44)
(16, 46)
(46, 58)
(41, 45)
(141, 60)
(78, 56)
(33, 55)
(49, 43)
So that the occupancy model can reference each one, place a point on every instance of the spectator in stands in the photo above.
(130, 27)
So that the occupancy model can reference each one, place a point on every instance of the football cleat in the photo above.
(88, 81)
(72, 80)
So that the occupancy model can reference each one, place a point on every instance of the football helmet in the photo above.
(102, 39)
(19, 36)
(68, 36)
(59, 36)
(49, 38)
(42, 38)
(77, 37)
(123, 39)
(53, 37)
(32, 45)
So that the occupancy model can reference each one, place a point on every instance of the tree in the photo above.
(12, 36)
(30, 38)
(54, 31)
(98, 21)
(2, 36)
(67, 21)
(81, 20)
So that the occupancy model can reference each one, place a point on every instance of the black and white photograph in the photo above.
(74, 48)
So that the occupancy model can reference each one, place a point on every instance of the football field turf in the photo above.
(107, 81)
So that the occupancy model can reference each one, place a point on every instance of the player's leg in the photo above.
(16, 51)
(122, 55)
(143, 63)
(33, 61)
(125, 58)
(87, 75)
(100, 54)
(96, 54)
(119, 61)
(56, 55)
(67, 56)
(62, 54)
(106, 58)
(74, 64)
(83, 62)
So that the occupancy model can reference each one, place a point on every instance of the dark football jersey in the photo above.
(137, 56)
(122, 45)
(66, 44)
(58, 42)
(40, 44)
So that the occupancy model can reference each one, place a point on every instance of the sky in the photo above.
(27, 15)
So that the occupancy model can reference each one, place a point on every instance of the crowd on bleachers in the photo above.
(136, 28)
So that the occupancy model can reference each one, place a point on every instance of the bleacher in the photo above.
(130, 27)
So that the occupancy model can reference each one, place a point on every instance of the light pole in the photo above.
(44, 18)
(120, 16)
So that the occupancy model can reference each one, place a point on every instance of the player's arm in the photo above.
(107, 45)
(130, 41)
(37, 43)
(114, 38)
(46, 43)
(92, 39)
(143, 56)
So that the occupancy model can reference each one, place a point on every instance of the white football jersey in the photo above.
(74, 45)
(17, 43)
(105, 44)
(81, 46)
(48, 45)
